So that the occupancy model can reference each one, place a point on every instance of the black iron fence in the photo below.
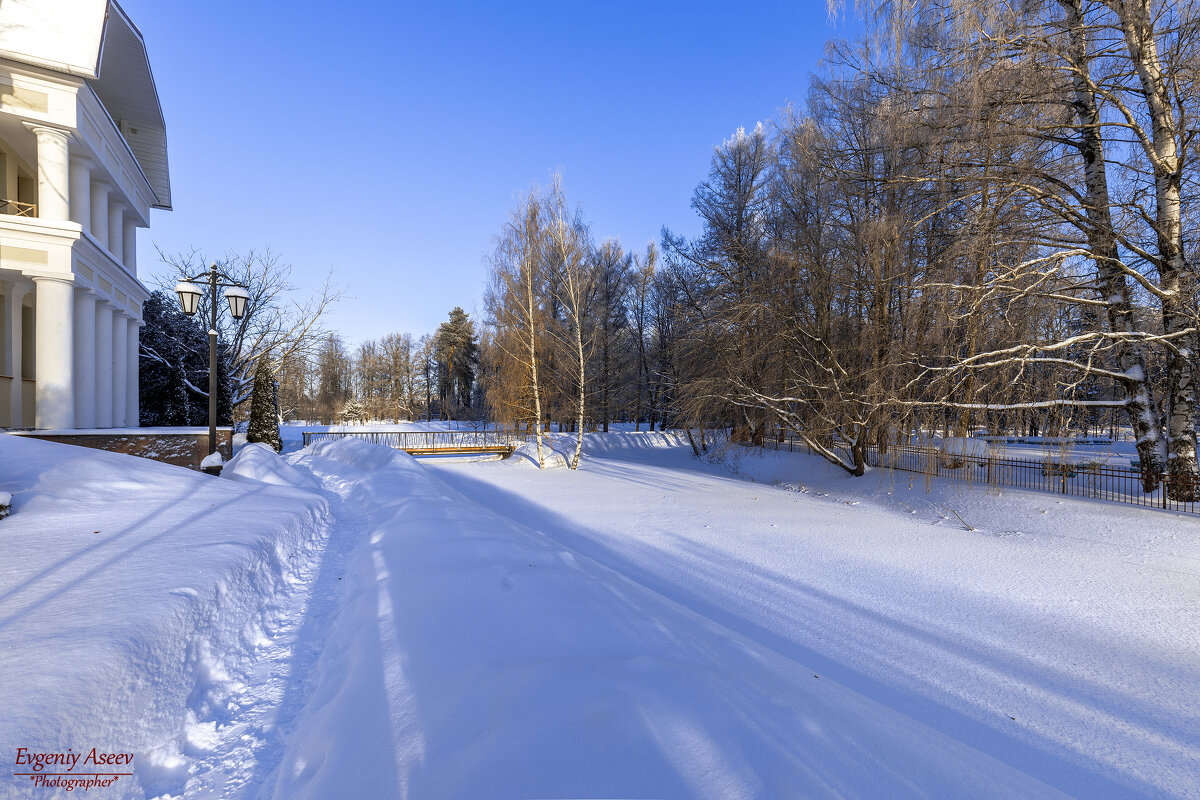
(428, 442)
(1079, 478)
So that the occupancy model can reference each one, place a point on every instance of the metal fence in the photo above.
(429, 442)
(1075, 478)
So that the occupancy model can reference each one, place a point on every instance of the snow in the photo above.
(961, 446)
(259, 462)
(475, 656)
(349, 621)
(213, 459)
(1061, 635)
(134, 598)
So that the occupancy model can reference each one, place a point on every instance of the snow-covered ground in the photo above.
(350, 622)
(1061, 635)
(136, 601)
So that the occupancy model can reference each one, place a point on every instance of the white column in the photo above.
(9, 187)
(54, 355)
(131, 375)
(99, 227)
(116, 226)
(53, 169)
(104, 364)
(15, 300)
(81, 192)
(120, 346)
(129, 243)
(85, 358)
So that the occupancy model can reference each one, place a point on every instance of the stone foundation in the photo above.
(184, 447)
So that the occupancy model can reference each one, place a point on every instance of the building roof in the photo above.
(95, 40)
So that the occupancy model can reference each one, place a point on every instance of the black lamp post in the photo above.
(189, 297)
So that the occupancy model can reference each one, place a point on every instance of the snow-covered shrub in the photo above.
(5, 504)
(956, 450)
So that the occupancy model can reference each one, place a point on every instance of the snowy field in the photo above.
(350, 622)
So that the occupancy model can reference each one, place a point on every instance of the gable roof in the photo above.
(96, 40)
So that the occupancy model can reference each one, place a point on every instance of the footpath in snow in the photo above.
(476, 657)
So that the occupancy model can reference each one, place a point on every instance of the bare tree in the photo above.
(515, 301)
(641, 285)
(568, 250)
(275, 322)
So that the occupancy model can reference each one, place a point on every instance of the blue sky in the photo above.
(389, 140)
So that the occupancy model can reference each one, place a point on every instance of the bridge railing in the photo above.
(428, 441)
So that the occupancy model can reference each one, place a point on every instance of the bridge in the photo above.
(427, 443)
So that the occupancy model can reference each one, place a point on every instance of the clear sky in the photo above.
(389, 140)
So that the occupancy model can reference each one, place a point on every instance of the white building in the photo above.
(83, 159)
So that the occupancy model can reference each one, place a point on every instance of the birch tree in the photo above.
(569, 248)
(515, 304)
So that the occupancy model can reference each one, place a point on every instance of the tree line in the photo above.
(979, 219)
(398, 377)
(975, 221)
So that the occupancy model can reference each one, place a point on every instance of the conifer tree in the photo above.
(264, 413)
(457, 348)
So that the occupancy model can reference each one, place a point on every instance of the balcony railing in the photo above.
(18, 209)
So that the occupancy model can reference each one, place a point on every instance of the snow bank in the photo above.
(557, 451)
(360, 454)
(964, 446)
(559, 448)
(259, 462)
(601, 443)
(133, 598)
(474, 657)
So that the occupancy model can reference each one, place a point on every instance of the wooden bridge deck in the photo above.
(427, 443)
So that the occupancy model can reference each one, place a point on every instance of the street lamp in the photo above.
(189, 298)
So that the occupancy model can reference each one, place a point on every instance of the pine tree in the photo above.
(353, 413)
(264, 414)
(457, 348)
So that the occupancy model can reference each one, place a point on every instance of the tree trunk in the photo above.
(582, 368)
(1114, 287)
(1137, 23)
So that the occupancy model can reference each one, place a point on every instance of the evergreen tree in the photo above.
(264, 410)
(457, 348)
(353, 413)
(173, 367)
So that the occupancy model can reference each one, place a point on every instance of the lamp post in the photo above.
(189, 297)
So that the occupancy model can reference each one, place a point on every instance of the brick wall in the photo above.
(170, 447)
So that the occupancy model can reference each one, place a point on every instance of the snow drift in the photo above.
(133, 595)
(260, 463)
